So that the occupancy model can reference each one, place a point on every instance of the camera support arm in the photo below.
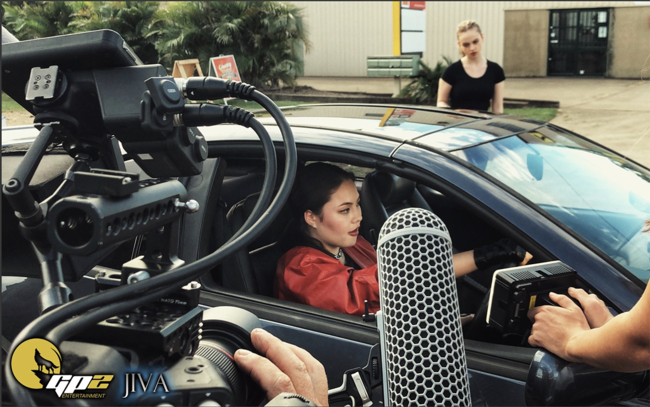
(31, 215)
(16, 190)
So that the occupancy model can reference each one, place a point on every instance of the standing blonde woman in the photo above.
(473, 82)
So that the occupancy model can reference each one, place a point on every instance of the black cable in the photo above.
(68, 182)
(206, 114)
(48, 321)
(267, 187)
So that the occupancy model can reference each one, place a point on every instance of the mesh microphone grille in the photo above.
(424, 351)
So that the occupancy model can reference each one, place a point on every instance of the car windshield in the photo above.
(600, 195)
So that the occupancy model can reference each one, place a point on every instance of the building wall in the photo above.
(344, 33)
(525, 43)
(630, 43)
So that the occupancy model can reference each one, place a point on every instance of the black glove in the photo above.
(503, 251)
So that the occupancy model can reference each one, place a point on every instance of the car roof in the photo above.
(442, 129)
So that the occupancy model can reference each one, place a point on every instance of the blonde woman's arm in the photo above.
(497, 99)
(443, 93)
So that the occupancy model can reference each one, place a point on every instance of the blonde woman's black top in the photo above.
(472, 93)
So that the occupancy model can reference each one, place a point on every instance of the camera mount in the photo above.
(87, 91)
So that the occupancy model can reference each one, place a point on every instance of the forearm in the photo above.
(464, 263)
(497, 99)
(443, 93)
(622, 344)
(497, 106)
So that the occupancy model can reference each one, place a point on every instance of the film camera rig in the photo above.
(88, 91)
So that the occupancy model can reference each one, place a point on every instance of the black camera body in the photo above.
(94, 84)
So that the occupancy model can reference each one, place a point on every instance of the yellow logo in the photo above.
(34, 361)
(36, 364)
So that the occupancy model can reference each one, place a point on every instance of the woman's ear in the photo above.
(310, 218)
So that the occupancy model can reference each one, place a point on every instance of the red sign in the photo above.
(415, 5)
(225, 67)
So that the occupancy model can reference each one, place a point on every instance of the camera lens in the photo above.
(226, 329)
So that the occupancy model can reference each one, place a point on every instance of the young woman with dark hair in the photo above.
(328, 264)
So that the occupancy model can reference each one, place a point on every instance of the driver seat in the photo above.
(383, 194)
(252, 269)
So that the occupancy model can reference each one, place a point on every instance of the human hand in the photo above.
(646, 227)
(285, 368)
(554, 327)
(527, 257)
(466, 319)
(594, 308)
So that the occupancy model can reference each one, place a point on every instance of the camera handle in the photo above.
(161, 249)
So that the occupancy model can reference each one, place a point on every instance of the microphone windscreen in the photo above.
(419, 318)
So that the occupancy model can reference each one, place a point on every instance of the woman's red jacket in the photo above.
(309, 276)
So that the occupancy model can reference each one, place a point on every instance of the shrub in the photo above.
(262, 36)
(424, 88)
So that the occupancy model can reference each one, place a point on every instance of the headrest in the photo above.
(392, 189)
(244, 208)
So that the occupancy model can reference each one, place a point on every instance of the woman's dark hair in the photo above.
(312, 189)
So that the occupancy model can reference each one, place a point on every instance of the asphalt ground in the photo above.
(612, 112)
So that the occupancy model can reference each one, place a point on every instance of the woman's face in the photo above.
(470, 43)
(338, 224)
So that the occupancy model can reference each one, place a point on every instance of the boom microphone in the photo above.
(419, 322)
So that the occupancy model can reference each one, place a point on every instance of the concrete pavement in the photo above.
(612, 112)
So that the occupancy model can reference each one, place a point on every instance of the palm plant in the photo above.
(36, 19)
(424, 88)
(263, 37)
(131, 19)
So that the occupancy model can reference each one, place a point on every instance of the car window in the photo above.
(600, 195)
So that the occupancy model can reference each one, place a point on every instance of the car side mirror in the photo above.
(553, 381)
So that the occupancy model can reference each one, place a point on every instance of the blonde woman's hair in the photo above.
(464, 27)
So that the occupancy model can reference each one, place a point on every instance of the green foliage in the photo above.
(424, 88)
(131, 19)
(30, 19)
(543, 114)
(263, 36)
(8, 104)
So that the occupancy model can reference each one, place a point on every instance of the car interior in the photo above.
(384, 189)
(382, 194)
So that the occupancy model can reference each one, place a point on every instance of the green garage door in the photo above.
(578, 42)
